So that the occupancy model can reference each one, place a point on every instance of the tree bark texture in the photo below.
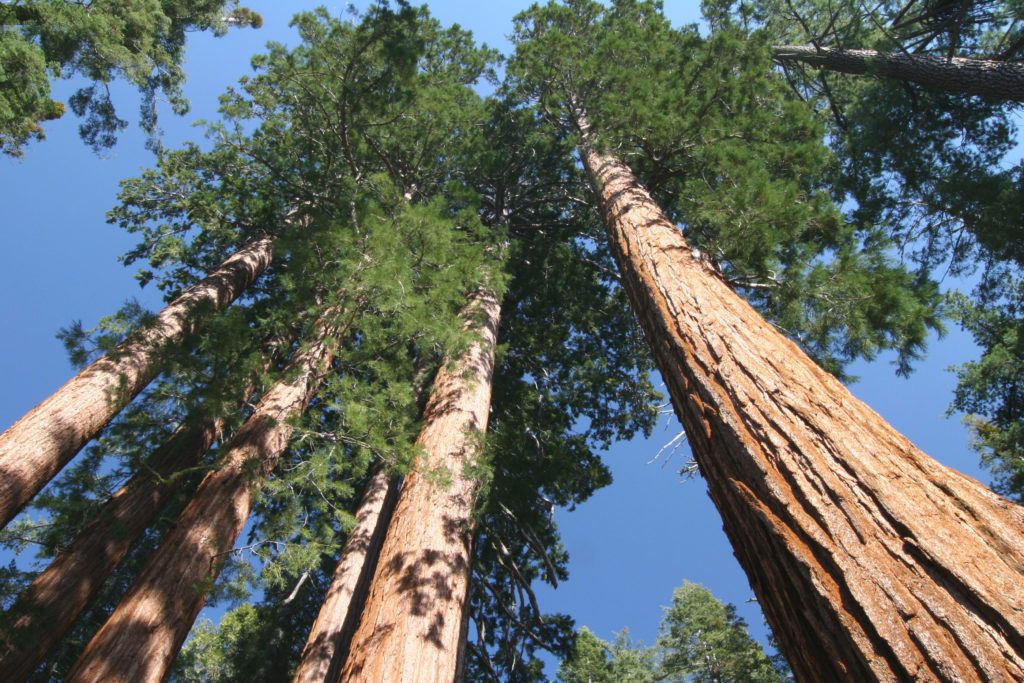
(412, 620)
(988, 78)
(871, 560)
(328, 644)
(38, 445)
(49, 606)
(142, 637)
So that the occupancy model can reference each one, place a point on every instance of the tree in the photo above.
(39, 444)
(142, 42)
(413, 619)
(824, 503)
(700, 639)
(141, 638)
(327, 646)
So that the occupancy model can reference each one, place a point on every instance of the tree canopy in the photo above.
(139, 41)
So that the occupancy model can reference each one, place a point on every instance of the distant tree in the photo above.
(700, 640)
(139, 41)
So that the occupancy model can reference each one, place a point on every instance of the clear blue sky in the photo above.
(631, 544)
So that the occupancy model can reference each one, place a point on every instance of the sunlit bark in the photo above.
(38, 445)
(871, 560)
(142, 637)
(412, 620)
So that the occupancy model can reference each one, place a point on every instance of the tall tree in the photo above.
(413, 619)
(141, 42)
(827, 507)
(38, 445)
(141, 638)
(327, 647)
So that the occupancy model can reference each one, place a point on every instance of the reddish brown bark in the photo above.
(871, 560)
(50, 605)
(412, 619)
(38, 445)
(985, 77)
(328, 644)
(142, 637)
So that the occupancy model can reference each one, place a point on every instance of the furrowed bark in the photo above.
(49, 606)
(142, 637)
(412, 619)
(871, 560)
(327, 647)
(38, 445)
(985, 77)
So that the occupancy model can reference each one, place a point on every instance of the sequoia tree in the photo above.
(839, 522)
(38, 445)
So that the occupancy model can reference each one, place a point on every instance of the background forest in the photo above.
(631, 544)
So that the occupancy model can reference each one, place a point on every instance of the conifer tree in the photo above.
(825, 504)
(327, 646)
(38, 445)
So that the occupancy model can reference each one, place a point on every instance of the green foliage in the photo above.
(991, 389)
(734, 159)
(701, 640)
(140, 41)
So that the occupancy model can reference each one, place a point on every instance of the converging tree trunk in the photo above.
(48, 607)
(989, 78)
(412, 621)
(327, 647)
(38, 445)
(871, 560)
(142, 637)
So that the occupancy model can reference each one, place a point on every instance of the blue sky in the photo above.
(631, 544)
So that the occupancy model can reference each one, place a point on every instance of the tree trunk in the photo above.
(988, 78)
(38, 445)
(871, 560)
(142, 637)
(413, 617)
(50, 605)
(328, 644)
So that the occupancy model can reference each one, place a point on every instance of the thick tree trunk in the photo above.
(142, 637)
(38, 445)
(412, 619)
(989, 78)
(328, 644)
(50, 605)
(871, 560)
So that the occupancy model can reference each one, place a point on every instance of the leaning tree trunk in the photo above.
(327, 647)
(142, 637)
(38, 445)
(412, 620)
(985, 77)
(871, 560)
(48, 607)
